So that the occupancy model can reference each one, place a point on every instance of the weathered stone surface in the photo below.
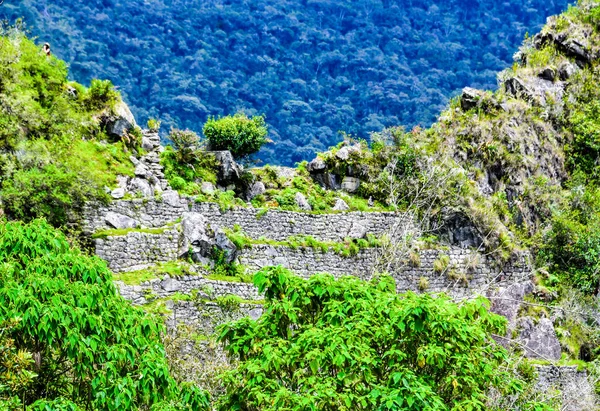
(566, 70)
(458, 229)
(255, 189)
(302, 202)
(196, 240)
(118, 193)
(357, 231)
(140, 186)
(539, 340)
(575, 386)
(119, 123)
(316, 165)
(120, 221)
(229, 171)
(535, 90)
(350, 184)
(507, 301)
(470, 98)
(141, 170)
(224, 244)
(343, 153)
(171, 198)
(170, 285)
(548, 74)
(340, 205)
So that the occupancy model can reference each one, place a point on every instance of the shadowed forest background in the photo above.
(313, 67)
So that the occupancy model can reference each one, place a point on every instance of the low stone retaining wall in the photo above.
(138, 250)
(274, 224)
(187, 285)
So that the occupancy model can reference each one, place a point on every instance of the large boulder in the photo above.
(119, 221)
(120, 121)
(470, 98)
(539, 340)
(224, 244)
(350, 184)
(196, 241)
(229, 172)
(141, 186)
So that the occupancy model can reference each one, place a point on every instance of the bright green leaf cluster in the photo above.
(347, 344)
(239, 134)
(92, 349)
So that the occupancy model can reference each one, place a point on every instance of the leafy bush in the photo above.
(349, 344)
(93, 350)
(239, 134)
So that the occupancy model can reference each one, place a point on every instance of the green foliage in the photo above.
(311, 67)
(239, 134)
(323, 344)
(51, 160)
(93, 350)
(186, 167)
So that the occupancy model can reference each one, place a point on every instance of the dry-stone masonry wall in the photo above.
(274, 224)
(168, 286)
(138, 250)
(576, 389)
(466, 272)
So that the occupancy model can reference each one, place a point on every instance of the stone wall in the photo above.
(466, 273)
(205, 317)
(577, 391)
(138, 250)
(274, 224)
(167, 286)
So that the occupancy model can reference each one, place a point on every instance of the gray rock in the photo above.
(539, 340)
(548, 74)
(223, 243)
(119, 221)
(229, 171)
(302, 202)
(171, 197)
(343, 153)
(147, 144)
(357, 231)
(141, 170)
(119, 123)
(566, 70)
(316, 165)
(350, 184)
(141, 186)
(207, 188)
(170, 285)
(507, 301)
(255, 189)
(340, 205)
(123, 181)
(195, 236)
(118, 193)
(470, 98)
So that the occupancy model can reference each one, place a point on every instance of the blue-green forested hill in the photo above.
(314, 67)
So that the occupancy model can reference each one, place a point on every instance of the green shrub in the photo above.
(99, 95)
(96, 351)
(348, 344)
(239, 134)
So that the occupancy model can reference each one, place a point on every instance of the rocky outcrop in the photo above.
(119, 122)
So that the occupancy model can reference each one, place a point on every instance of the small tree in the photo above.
(239, 134)
(185, 143)
(347, 344)
(92, 350)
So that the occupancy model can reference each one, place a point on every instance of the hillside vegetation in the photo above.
(312, 67)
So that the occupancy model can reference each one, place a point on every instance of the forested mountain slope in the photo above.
(313, 67)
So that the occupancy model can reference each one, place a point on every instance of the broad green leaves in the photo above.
(90, 345)
(326, 344)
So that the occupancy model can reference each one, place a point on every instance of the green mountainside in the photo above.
(500, 173)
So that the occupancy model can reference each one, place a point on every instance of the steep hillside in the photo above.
(313, 67)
